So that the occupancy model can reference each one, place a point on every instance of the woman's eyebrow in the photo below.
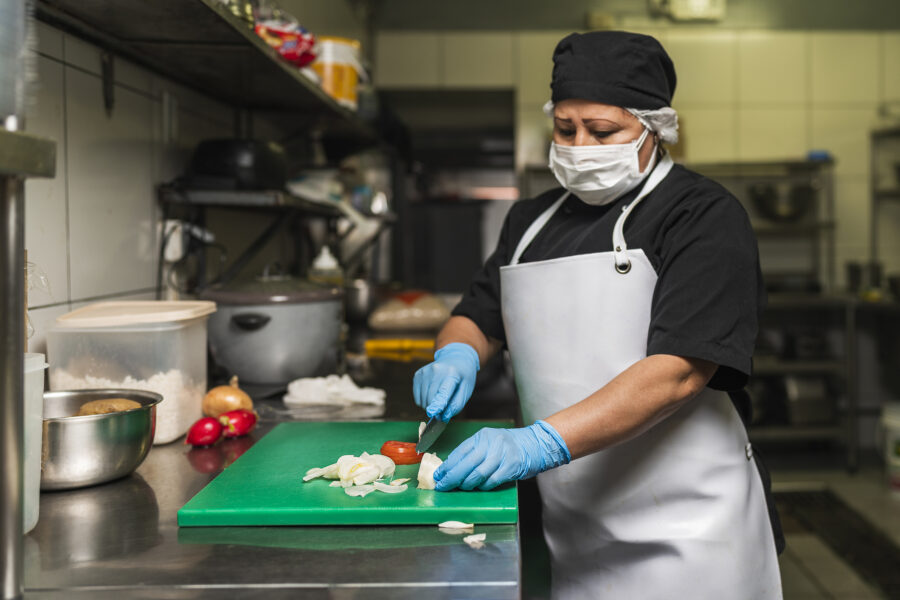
(561, 119)
(600, 119)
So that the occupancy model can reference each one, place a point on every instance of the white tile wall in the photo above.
(534, 64)
(773, 68)
(91, 229)
(844, 133)
(845, 68)
(890, 66)
(110, 189)
(708, 134)
(477, 60)
(46, 227)
(407, 60)
(705, 66)
(772, 133)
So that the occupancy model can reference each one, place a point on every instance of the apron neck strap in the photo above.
(623, 265)
(536, 227)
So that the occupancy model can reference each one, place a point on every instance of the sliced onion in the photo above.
(400, 481)
(385, 465)
(335, 484)
(476, 540)
(429, 463)
(389, 489)
(456, 525)
(359, 490)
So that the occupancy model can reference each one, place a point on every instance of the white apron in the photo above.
(678, 512)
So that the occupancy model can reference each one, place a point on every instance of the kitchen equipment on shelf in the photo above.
(156, 346)
(78, 451)
(808, 401)
(272, 330)
(33, 411)
(237, 164)
(772, 202)
(339, 67)
(410, 311)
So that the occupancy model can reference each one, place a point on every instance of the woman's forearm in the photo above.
(464, 330)
(635, 400)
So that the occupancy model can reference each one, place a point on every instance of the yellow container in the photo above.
(339, 67)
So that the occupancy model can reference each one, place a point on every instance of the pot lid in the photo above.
(133, 312)
(271, 290)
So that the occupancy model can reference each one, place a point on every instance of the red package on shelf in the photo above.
(293, 42)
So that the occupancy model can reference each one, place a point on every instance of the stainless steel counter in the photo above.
(120, 540)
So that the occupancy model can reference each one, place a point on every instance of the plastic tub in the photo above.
(143, 345)
(339, 67)
(34, 412)
(890, 421)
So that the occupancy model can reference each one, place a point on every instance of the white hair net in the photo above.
(661, 121)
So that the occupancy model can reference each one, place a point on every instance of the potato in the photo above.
(102, 407)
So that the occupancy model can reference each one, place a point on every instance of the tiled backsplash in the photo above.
(92, 229)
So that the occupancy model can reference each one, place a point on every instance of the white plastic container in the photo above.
(890, 421)
(143, 345)
(34, 415)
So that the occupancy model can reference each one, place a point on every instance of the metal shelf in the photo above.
(201, 45)
(772, 366)
(795, 433)
(244, 199)
(769, 229)
(887, 194)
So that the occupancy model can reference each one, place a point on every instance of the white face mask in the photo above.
(600, 173)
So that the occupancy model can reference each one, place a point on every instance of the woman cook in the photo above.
(629, 304)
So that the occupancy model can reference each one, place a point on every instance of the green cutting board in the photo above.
(265, 485)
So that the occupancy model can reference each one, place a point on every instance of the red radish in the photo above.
(205, 432)
(238, 422)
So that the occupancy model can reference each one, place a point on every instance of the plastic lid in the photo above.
(325, 260)
(272, 290)
(112, 314)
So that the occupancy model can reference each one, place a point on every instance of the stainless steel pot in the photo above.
(271, 331)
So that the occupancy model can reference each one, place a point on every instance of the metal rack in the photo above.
(884, 148)
(811, 233)
(21, 156)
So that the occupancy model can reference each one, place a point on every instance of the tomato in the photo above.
(402, 453)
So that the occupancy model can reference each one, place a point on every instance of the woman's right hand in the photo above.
(444, 386)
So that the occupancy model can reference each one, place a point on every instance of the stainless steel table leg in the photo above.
(12, 347)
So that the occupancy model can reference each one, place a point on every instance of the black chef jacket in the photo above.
(709, 293)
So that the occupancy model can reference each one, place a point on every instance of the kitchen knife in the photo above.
(433, 431)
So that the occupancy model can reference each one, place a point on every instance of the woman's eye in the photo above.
(566, 132)
(602, 134)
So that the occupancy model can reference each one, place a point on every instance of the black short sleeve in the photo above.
(709, 293)
(481, 302)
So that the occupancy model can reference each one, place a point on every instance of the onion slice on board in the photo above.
(429, 463)
(475, 540)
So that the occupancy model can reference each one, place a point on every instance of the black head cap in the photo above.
(624, 69)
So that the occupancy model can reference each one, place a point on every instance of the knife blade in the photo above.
(433, 431)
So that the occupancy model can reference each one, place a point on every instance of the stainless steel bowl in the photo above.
(82, 451)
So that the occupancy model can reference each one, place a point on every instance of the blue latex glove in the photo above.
(494, 456)
(444, 386)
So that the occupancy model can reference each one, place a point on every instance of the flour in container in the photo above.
(180, 406)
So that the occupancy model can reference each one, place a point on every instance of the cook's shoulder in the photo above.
(698, 195)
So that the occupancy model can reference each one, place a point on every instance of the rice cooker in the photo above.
(271, 330)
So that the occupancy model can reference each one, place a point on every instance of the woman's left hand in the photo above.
(492, 457)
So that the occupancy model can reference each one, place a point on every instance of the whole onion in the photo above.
(224, 398)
